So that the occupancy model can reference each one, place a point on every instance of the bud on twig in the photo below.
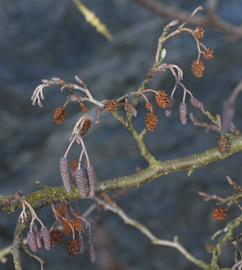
(197, 104)
(65, 174)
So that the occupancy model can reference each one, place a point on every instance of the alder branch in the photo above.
(211, 20)
(15, 248)
(58, 194)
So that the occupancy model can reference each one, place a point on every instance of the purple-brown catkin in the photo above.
(91, 179)
(170, 107)
(64, 170)
(92, 253)
(32, 241)
(46, 237)
(81, 240)
(37, 237)
(183, 113)
(80, 181)
(195, 103)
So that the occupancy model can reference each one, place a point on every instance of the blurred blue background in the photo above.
(45, 39)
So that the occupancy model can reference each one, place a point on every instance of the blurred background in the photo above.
(49, 38)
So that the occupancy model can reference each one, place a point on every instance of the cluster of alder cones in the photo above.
(54, 237)
(75, 246)
(198, 66)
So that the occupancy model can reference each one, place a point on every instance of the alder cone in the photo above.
(59, 115)
(46, 237)
(149, 106)
(151, 121)
(208, 54)
(77, 224)
(73, 247)
(198, 68)
(112, 105)
(85, 127)
(64, 170)
(199, 32)
(56, 237)
(80, 181)
(162, 99)
(220, 213)
(32, 241)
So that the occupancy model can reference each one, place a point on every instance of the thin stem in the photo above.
(70, 145)
(41, 261)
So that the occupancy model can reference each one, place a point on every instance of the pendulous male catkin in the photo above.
(92, 253)
(80, 181)
(46, 237)
(32, 241)
(91, 179)
(64, 170)
(37, 237)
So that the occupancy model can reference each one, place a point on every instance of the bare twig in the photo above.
(108, 204)
(210, 20)
(41, 261)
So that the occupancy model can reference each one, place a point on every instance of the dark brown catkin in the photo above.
(37, 237)
(32, 241)
(46, 237)
(64, 170)
(81, 240)
(92, 253)
(170, 107)
(197, 104)
(183, 113)
(80, 181)
(91, 177)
